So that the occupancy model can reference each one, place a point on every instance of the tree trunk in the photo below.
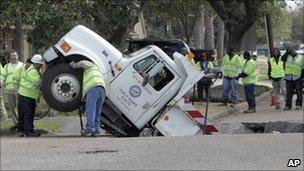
(209, 33)
(119, 36)
(235, 40)
(269, 33)
(220, 38)
(18, 36)
(199, 30)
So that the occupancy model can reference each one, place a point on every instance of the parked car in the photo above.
(168, 46)
(262, 52)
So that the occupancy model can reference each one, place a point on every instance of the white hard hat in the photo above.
(37, 59)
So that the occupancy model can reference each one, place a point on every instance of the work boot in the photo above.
(250, 110)
(287, 108)
(223, 104)
(13, 128)
(32, 134)
(85, 132)
(298, 107)
(95, 135)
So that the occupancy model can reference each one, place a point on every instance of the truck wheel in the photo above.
(61, 87)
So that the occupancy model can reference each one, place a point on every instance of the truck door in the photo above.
(141, 85)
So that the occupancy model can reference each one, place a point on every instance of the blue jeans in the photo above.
(201, 86)
(94, 101)
(250, 97)
(230, 85)
(28, 107)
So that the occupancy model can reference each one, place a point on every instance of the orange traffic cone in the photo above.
(273, 99)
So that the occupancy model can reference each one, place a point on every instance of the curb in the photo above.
(241, 106)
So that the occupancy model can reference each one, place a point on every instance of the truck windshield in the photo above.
(160, 79)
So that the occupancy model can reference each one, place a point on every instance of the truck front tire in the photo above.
(62, 87)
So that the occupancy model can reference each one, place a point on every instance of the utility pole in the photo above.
(268, 28)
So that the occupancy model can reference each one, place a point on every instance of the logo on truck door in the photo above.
(135, 91)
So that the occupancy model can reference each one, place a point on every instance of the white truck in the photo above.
(145, 89)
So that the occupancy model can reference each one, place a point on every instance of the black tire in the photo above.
(50, 79)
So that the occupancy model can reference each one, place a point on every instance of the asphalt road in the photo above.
(237, 152)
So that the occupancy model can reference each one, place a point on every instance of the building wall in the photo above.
(6, 36)
(139, 28)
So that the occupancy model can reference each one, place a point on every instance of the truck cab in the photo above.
(139, 85)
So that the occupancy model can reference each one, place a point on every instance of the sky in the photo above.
(293, 4)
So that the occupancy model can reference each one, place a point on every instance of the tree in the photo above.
(281, 24)
(114, 19)
(220, 38)
(238, 16)
(209, 33)
(182, 15)
(52, 19)
(298, 25)
(199, 29)
(14, 13)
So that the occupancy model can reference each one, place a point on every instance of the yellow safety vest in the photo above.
(10, 81)
(19, 75)
(250, 69)
(209, 65)
(230, 67)
(294, 68)
(29, 83)
(92, 77)
(277, 69)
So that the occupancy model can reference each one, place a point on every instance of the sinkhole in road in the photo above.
(263, 127)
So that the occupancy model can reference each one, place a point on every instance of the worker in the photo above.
(276, 74)
(231, 65)
(94, 94)
(11, 86)
(204, 84)
(19, 75)
(3, 113)
(294, 74)
(29, 93)
(249, 79)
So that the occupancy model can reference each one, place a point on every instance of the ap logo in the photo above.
(294, 163)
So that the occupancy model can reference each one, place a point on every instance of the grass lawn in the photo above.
(42, 107)
(39, 124)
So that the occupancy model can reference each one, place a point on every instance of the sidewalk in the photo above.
(266, 113)
(216, 112)
(266, 83)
